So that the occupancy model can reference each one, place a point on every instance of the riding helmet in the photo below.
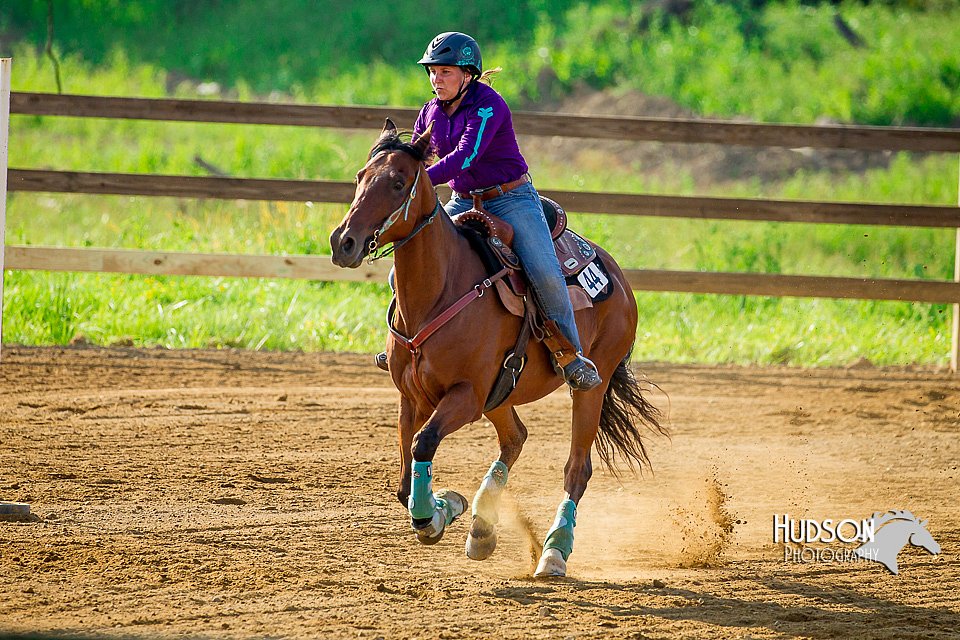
(454, 49)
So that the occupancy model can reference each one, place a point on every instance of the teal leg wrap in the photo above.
(498, 473)
(560, 536)
(421, 502)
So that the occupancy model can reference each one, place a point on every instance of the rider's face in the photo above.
(447, 81)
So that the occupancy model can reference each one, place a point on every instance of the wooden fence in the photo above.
(4, 131)
(618, 128)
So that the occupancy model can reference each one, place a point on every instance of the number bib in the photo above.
(594, 279)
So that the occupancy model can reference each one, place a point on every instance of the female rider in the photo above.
(477, 152)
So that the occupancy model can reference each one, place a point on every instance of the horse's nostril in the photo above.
(347, 245)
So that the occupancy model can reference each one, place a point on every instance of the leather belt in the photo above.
(496, 191)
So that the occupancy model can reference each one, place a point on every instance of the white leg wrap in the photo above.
(486, 502)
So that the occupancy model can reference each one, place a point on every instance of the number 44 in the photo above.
(592, 280)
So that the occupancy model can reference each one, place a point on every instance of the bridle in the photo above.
(373, 247)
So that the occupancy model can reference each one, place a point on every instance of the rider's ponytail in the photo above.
(487, 76)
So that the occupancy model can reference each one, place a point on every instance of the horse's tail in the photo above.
(624, 410)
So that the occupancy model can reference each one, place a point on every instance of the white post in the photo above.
(955, 348)
(4, 135)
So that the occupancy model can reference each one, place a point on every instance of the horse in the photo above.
(446, 370)
(898, 528)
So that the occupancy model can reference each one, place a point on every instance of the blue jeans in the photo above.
(532, 242)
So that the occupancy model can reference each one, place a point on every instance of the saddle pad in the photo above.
(513, 303)
(593, 278)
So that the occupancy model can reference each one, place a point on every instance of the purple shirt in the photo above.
(476, 147)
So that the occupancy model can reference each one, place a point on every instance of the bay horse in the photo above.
(444, 380)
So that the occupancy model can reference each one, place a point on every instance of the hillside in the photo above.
(709, 163)
(878, 63)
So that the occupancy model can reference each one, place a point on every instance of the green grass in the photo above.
(290, 46)
(174, 312)
(45, 308)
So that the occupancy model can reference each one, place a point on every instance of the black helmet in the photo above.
(454, 49)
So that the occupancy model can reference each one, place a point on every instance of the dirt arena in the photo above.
(235, 494)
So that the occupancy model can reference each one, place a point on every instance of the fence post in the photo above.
(955, 347)
(4, 134)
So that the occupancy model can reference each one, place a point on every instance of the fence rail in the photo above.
(539, 124)
(608, 127)
(320, 268)
(584, 201)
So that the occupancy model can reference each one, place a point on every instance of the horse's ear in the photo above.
(388, 128)
(422, 142)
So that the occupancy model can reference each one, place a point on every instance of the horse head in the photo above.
(391, 189)
(898, 528)
(922, 538)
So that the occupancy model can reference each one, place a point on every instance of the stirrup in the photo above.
(381, 361)
(581, 374)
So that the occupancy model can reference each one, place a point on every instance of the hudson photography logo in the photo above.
(878, 538)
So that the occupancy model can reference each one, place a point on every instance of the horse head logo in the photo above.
(892, 531)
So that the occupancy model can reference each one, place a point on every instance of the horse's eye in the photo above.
(398, 185)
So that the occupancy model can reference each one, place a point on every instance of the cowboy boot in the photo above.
(577, 371)
(581, 374)
(381, 358)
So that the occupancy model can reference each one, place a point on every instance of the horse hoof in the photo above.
(425, 539)
(430, 530)
(551, 565)
(482, 540)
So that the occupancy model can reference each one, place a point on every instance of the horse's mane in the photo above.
(880, 519)
(398, 141)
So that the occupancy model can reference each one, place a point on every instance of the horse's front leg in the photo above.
(431, 513)
(511, 434)
(409, 423)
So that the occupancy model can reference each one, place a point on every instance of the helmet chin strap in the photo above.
(463, 88)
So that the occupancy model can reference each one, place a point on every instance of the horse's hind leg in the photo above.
(576, 474)
(511, 434)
